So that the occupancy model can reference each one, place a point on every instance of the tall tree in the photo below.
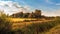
(37, 13)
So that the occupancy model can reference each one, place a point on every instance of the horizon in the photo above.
(48, 7)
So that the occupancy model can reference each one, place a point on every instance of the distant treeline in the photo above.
(35, 14)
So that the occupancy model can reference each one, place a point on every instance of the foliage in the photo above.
(5, 25)
(36, 14)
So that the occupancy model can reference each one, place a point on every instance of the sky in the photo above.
(48, 7)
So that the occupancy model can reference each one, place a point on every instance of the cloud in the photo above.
(57, 13)
(58, 4)
(5, 0)
(11, 7)
(49, 1)
(8, 6)
(47, 13)
(21, 1)
(51, 13)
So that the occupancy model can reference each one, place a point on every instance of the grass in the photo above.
(39, 27)
(21, 19)
(54, 30)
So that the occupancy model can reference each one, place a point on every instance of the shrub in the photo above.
(5, 25)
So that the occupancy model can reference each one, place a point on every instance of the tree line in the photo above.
(35, 14)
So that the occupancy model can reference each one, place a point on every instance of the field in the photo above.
(21, 22)
(42, 25)
(31, 25)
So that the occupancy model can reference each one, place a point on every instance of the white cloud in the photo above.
(51, 13)
(10, 7)
(4, 0)
(50, 2)
(58, 4)
(57, 12)
(21, 1)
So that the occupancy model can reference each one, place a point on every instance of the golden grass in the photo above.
(19, 22)
(54, 30)
(21, 19)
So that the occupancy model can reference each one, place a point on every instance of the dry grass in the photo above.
(44, 25)
(54, 30)
(20, 19)
(20, 22)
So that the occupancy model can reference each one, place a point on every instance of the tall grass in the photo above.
(36, 28)
(5, 25)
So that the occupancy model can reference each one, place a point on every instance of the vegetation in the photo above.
(34, 28)
(36, 14)
(5, 25)
(55, 30)
(40, 28)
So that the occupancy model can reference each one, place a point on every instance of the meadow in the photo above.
(10, 25)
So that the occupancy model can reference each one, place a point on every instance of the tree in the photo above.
(31, 15)
(37, 13)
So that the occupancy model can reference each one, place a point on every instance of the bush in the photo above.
(5, 25)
